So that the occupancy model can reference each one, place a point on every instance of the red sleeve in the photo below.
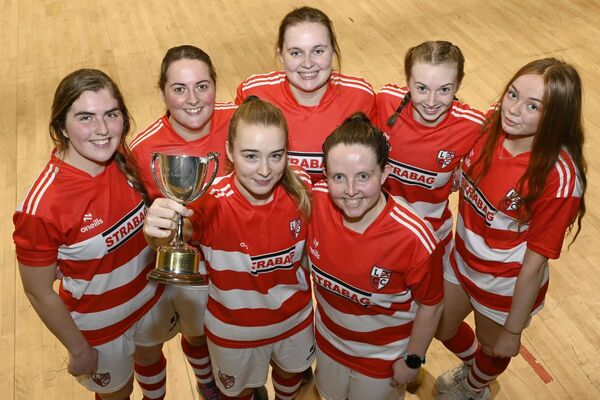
(426, 281)
(239, 98)
(550, 220)
(36, 240)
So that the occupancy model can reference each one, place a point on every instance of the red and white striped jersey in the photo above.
(92, 228)
(490, 243)
(258, 292)
(308, 126)
(367, 285)
(160, 137)
(423, 158)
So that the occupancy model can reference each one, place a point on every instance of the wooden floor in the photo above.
(41, 41)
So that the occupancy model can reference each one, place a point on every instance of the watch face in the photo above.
(413, 361)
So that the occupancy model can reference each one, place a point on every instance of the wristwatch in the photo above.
(413, 361)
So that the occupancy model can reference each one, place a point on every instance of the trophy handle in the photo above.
(153, 169)
(212, 156)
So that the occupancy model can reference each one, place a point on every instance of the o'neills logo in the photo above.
(477, 200)
(311, 162)
(95, 223)
(128, 226)
(273, 261)
(339, 287)
(411, 175)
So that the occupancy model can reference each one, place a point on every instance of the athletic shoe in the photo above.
(209, 391)
(451, 378)
(463, 391)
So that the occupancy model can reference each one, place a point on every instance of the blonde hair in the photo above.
(254, 111)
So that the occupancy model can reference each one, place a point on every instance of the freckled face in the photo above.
(432, 89)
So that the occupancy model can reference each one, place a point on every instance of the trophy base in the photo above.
(178, 278)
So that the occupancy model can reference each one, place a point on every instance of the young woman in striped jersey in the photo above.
(251, 226)
(194, 124)
(314, 98)
(430, 132)
(81, 223)
(522, 187)
(375, 269)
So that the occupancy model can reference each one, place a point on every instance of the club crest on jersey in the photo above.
(295, 227)
(444, 158)
(380, 277)
(227, 380)
(512, 200)
(101, 379)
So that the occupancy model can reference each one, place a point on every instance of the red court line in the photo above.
(535, 365)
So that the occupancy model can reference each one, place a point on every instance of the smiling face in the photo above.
(307, 55)
(432, 89)
(259, 157)
(522, 105)
(94, 127)
(189, 94)
(354, 178)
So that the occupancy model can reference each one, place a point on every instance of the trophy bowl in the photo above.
(184, 179)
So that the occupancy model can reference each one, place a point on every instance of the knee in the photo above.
(121, 394)
(147, 355)
(195, 341)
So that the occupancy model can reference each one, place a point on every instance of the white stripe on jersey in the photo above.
(467, 114)
(424, 235)
(475, 244)
(221, 260)
(425, 209)
(236, 299)
(367, 323)
(504, 222)
(503, 286)
(248, 333)
(111, 316)
(391, 90)
(496, 315)
(225, 106)
(151, 130)
(391, 351)
(564, 176)
(33, 200)
(352, 82)
(118, 277)
(276, 80)
(105, 242)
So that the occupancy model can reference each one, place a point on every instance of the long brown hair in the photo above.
(68, 91)
(254, 111)
(560, 126)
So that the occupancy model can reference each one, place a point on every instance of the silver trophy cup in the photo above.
(183, 179)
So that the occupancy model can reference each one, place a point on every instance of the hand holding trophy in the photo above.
(183, 179)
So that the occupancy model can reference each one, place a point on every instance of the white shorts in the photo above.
(335, 381)
(115, 358)
(239, 369)
(497, 316)
(189, 303)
